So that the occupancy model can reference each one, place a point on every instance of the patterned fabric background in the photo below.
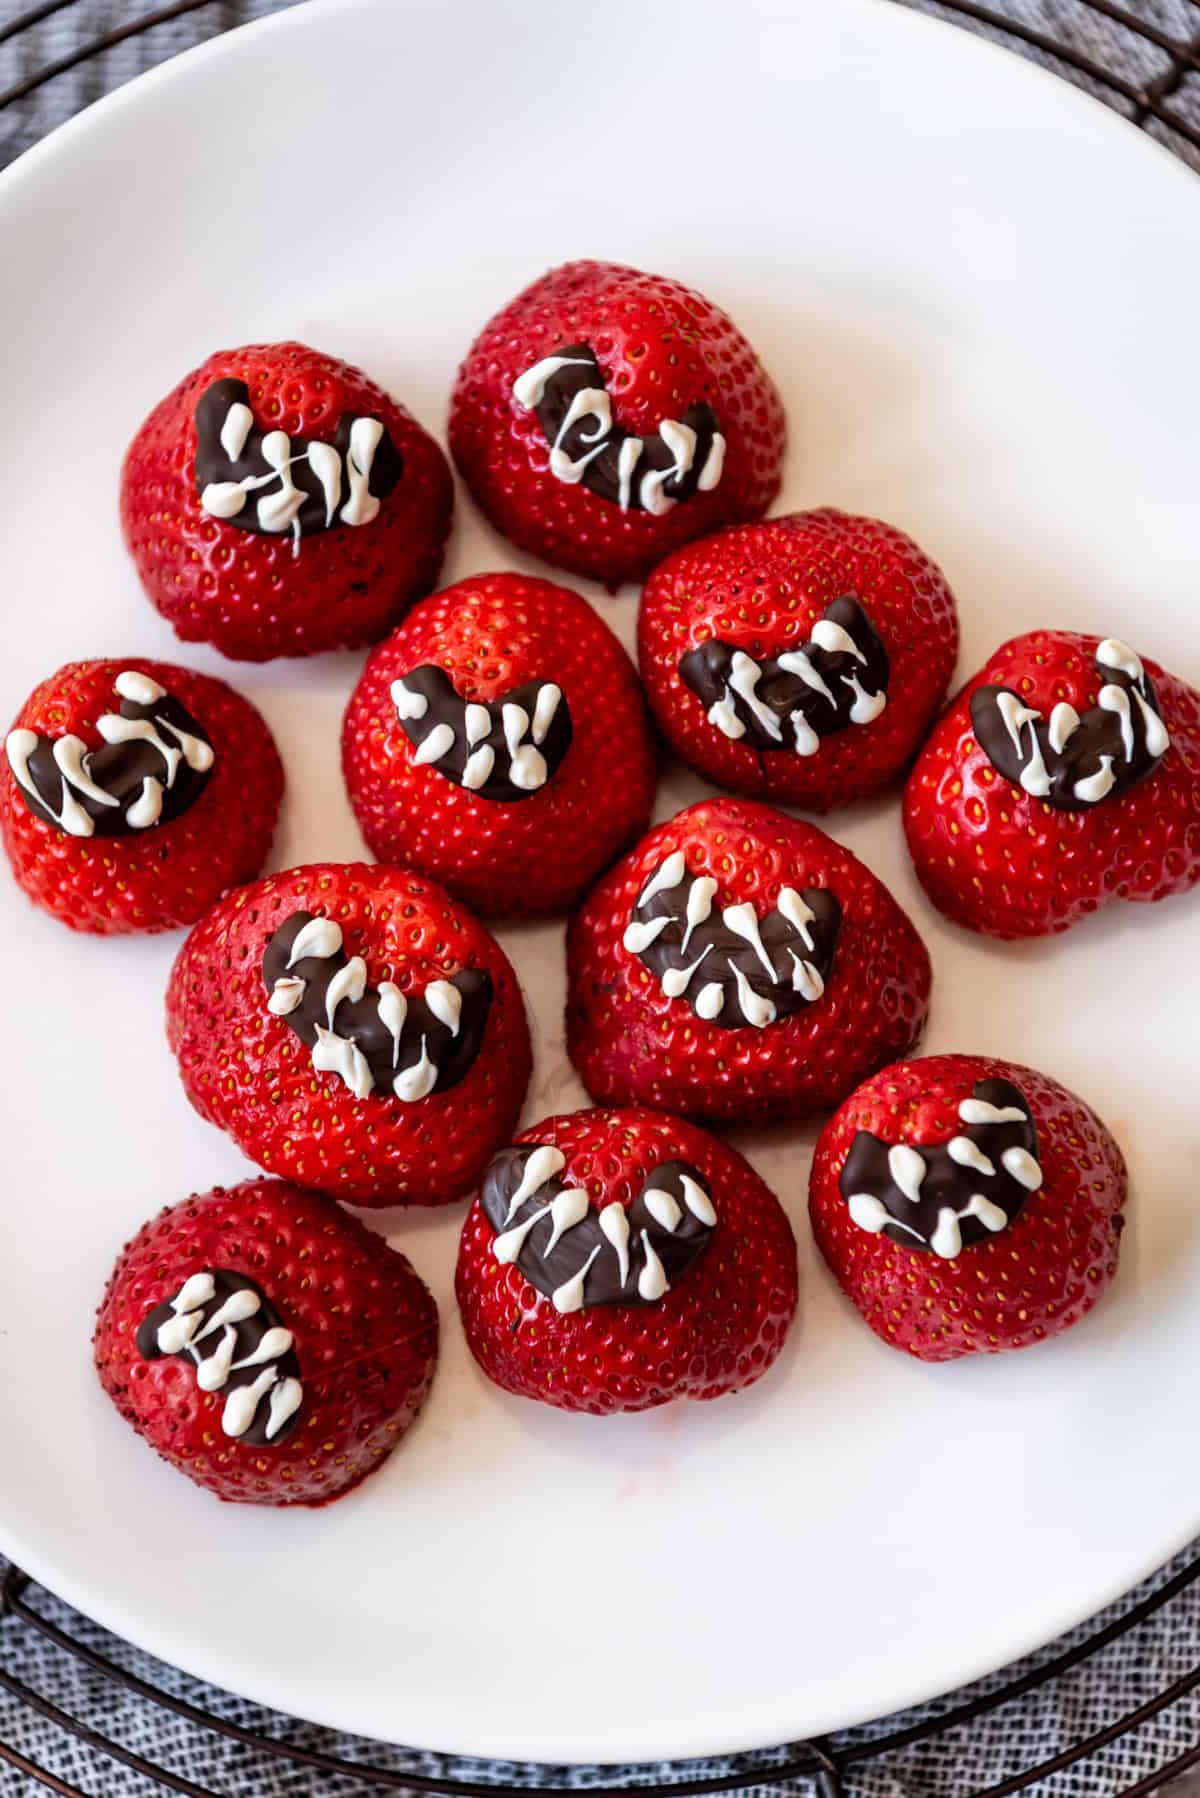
(973, 1760)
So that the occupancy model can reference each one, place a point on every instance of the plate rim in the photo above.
(341, 1716)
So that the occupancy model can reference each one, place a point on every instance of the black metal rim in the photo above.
(830, 1764)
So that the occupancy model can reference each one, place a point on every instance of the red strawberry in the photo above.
(257, 583)
(739, 964)
(877, 632)
(586, 757)
(987, 1254)
(688, 1265)
(320, 1405)
(170, 836)
(565, 423)
(1105, 814)
(355, 1030)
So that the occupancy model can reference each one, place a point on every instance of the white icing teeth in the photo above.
(743, 921)
(438, 743)
(418, 1081)
(445, 1002)
(709, 1001)
(392, 1007)
(542, 1165)
(333, 1054)
(1022, 1166)
(614, 1226)
(668, 875)
(755, 1009)
(478, 770)
(527, 766)
(675, 981)
(652, 1281)
(286, 994)
(1112, 653)
(699, 907)
(639, 936)
(979, 1111)
(697, 1201)
(319, 939)
(662, 1207)
(349, 983)
(1064, 722)
(569, 1296)
(907, 1169)
(965, 1152)
(407, 703)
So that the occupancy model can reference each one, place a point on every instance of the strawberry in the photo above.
(354, 1029)
(132, 793)
(514, 818)
(606, 416)
(277, 502)
(740, 965)
(320, 1403)
(967, 1205)
(616, 1260)
(1065, 775)
(801, 659)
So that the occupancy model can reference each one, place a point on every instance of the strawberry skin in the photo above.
(999, 861)
(717, 1330)
(661, 349)
(491, 634)
(247, 1071)
(761, 588)
(632, 1044)
(365, 1335)
(166, 876)
(246, 593)
(1037, 1277)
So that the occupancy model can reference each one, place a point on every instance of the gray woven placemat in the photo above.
(1047, 1720)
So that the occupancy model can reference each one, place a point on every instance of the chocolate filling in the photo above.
(300, 461)
(790, 701)
(1073, 762)
(948, 1197)
(579, 1257)
(505, 749)
(375, 1039)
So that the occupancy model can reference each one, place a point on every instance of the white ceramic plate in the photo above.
(978, 291)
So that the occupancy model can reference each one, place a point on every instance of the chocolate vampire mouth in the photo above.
(947, 1198)
(268, 482)
(155, 762)
(375, 1039)
(505, 750)
(223, 1325)
(579, 1257)
(790, 701)
(1074, 762)
(734, 968)
(566, 392)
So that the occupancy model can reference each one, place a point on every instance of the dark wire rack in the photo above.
(826, 1768)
